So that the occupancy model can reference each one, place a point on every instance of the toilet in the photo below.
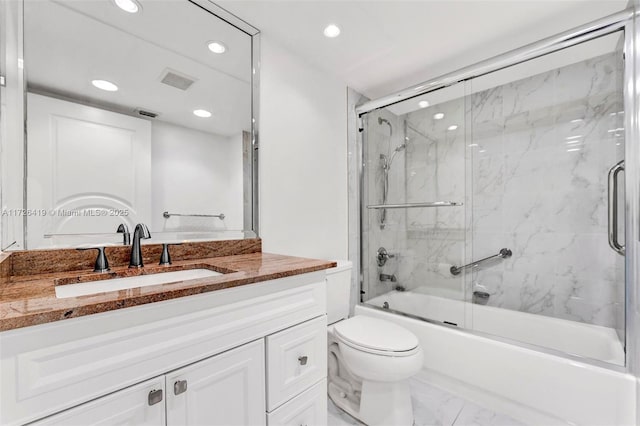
(370, 360)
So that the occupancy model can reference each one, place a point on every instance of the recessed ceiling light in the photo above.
(202, 113)
(423, 104)
(332, 31)
(130, 6)
(105, 85)
(216, 47)
(452, 127)
(438, 116)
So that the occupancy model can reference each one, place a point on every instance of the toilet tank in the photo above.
(338, 291)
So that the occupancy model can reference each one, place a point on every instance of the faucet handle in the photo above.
(165, 258)
(102, 264)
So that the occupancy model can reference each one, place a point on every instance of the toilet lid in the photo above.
(375, 334)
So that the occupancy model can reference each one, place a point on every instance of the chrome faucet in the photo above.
(141, 231)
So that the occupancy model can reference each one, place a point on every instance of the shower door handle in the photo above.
(613, 207)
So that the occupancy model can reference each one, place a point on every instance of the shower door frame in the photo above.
(624, 21)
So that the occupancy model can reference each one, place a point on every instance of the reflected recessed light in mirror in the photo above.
(438, 116)
(216, 47)
(203, 113)
(452, 127)
(130, 6)
(423, 104)
(105, 85)
(332, 31)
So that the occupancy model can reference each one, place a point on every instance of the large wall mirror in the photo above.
(118, 112)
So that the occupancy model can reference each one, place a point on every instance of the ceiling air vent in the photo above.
(146, 113)
(176, 79)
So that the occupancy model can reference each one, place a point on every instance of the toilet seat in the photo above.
(376, 336)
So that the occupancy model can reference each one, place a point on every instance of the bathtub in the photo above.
(536, 387)
(570, 337)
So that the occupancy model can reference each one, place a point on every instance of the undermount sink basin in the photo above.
(115, 284)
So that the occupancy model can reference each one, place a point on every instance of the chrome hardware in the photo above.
(613, 208)
(387, 277)
(503, 254)
(167, 215)
(165, 257)
(126, 235)
(155, 396)
(179, 387)
(10, 245)
(141, 232)
(303, 360)
(415, 205)
(102, 264)
(383, 255)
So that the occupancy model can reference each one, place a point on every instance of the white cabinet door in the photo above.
(225, 390)
(138, 405)
(86, 160)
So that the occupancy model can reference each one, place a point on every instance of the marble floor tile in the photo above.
(474, 415)
(337, 417)
(433, 406)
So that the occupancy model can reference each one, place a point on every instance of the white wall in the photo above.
(198, 173)
(303, 157)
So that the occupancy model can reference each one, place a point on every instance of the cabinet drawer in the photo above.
(296, 359)
(142, 405)
(307, 409)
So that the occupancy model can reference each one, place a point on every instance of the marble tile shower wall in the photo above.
(534, 163)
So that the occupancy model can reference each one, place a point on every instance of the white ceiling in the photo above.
(69, 43)
(386, 46)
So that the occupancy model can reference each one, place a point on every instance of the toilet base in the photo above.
(381, 403)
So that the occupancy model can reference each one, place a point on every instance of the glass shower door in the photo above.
(546, 160)
(414, 224)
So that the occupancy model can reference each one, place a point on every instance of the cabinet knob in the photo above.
(155, 396)
(179, 387)
(303, 360)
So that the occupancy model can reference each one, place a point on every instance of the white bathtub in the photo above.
(571, 337)
(535, 387)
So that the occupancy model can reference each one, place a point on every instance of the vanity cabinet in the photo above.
(208, 354)
(226, 389)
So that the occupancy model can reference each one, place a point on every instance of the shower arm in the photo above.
(503, 254)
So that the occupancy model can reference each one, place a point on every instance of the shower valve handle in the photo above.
(383, 255)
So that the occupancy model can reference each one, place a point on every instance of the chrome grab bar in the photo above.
(503, 254)
(167, 215)
(613, 208)
(414, 205)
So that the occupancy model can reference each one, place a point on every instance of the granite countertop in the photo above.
(27, 300)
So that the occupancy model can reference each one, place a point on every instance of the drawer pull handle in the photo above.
(179, 387)
(155, 396)
(303, 360)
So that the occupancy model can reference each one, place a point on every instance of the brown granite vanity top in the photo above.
(30, 299)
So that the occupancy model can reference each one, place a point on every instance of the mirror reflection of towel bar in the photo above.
(167, 215)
